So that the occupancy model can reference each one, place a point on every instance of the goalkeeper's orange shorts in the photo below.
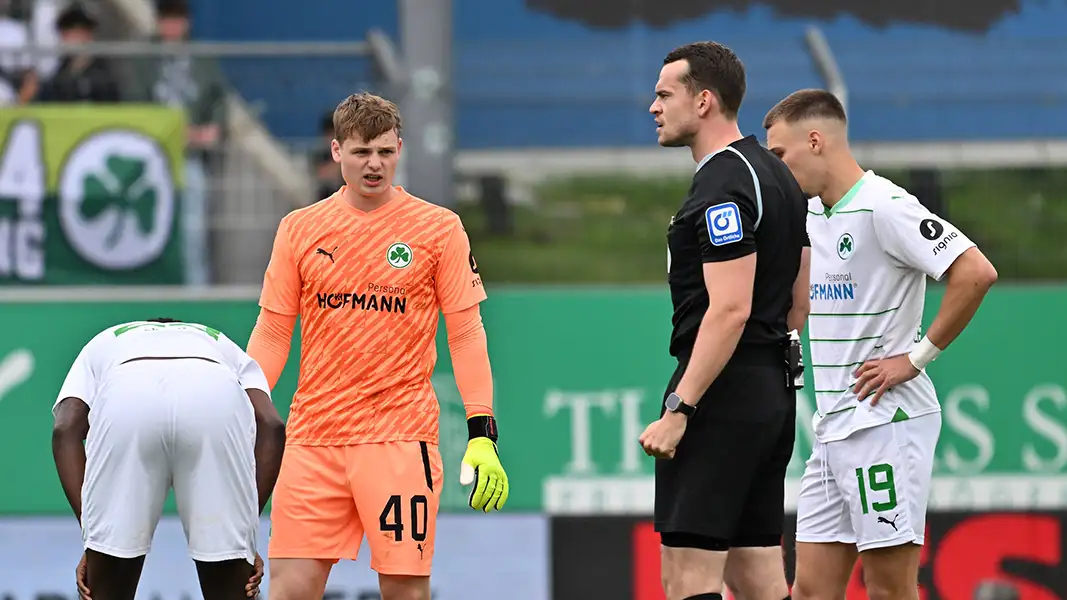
(327, 498)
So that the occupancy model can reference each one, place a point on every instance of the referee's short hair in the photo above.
(713, 67)
(806, 104)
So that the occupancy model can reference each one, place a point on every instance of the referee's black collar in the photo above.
(748, 140)
(737, 144)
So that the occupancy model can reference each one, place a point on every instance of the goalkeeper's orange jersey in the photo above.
(368, 287)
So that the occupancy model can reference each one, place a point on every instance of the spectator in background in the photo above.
(327, 172)
(42, 23)
(18, 79)
(82, 77)
(194, 84)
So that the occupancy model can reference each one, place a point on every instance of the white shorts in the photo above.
(871, 488)
(184, 423)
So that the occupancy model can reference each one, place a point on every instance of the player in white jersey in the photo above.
(865, 488)
(163, 404)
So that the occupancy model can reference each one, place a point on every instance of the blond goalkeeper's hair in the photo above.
(363, 117)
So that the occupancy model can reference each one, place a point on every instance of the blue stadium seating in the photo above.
(524, 79)
(955, 87)
(292, 94)
(592, 92)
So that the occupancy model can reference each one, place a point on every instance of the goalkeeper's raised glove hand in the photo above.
(481, 466)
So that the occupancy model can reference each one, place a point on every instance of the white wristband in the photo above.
(923, 354)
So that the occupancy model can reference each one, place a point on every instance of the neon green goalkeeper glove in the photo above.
(481, 466)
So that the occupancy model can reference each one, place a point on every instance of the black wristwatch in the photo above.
(674, 403)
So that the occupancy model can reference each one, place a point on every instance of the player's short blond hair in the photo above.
(806, 104)
(363, 117)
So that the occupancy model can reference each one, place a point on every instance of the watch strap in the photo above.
(680, 406)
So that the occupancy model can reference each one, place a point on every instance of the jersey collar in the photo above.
(847, 198)
(711, 155)
(400, 197)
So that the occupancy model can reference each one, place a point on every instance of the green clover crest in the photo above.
(122, 187)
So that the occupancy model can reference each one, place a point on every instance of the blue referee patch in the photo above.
(724, 223)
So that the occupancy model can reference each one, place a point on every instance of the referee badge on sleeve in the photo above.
(724, 223)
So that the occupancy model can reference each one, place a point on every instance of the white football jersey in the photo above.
(870, 256)
(98, 360)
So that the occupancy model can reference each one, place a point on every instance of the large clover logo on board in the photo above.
(122, 187)
(117, 199)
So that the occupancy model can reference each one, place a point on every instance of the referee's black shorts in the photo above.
(725, 486)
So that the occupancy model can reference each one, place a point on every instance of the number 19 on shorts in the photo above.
(876, 481)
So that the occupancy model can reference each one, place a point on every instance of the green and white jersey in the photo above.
(102, 356)
(870, 256)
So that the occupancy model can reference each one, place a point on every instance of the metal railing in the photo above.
(139, 49)
(826, 63)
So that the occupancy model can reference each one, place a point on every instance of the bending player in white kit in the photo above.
(161, 403)
(873, 244)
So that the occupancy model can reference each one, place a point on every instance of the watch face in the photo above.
(673, 401)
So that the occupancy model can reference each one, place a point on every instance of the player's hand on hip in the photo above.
(879, 376)
(80, 575)
(481, 467)
(252, 589)
(661, 438)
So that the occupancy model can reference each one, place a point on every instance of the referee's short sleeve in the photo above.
(726, 225)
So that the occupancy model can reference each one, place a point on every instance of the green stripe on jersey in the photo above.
(864, 314)
(859, 339)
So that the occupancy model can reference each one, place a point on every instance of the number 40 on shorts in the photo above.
(879, 478)
(392, 517)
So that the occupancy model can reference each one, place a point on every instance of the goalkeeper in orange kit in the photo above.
(368, 270)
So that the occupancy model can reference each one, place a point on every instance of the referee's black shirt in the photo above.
(743, 200)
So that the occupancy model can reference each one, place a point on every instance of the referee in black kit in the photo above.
(738, 268)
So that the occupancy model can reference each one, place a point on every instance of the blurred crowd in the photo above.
(32, 72)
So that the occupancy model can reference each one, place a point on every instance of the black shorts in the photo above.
(726, 483)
